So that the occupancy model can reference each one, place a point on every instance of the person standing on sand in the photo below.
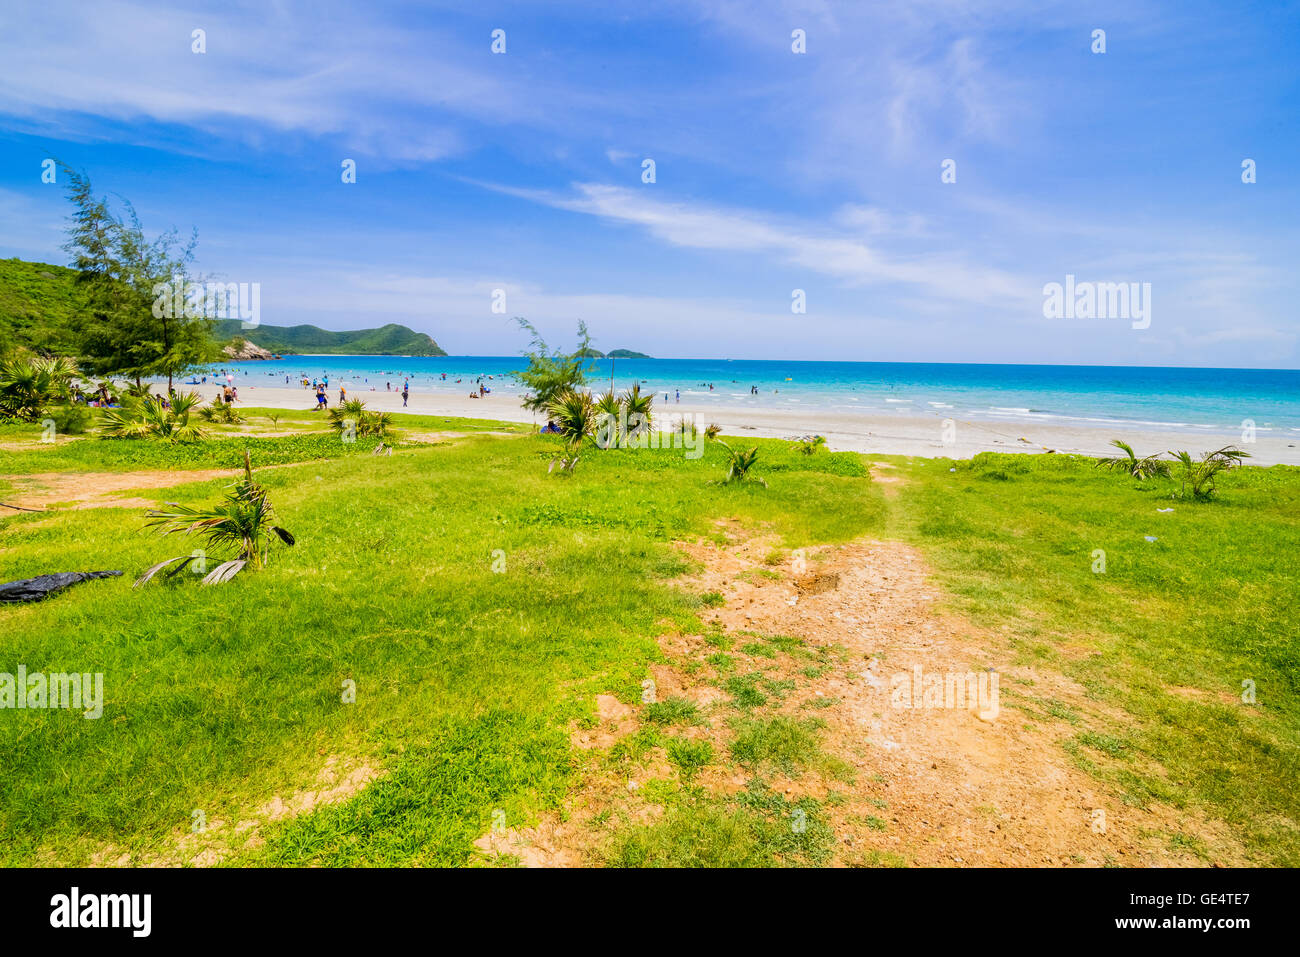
(343, 394)
(405, 393)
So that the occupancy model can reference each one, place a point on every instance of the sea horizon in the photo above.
(1192, 399)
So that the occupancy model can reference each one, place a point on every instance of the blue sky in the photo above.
(775, 171)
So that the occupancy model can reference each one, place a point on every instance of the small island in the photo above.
(612, 354)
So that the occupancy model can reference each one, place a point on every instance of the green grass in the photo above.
(782, 742)
(757, 828)
(1211, 603)
(673, 710)
(221, 698)
(224, 446)
(468, 680)
(129, 455)
(744, 689)
(438, 797)
(688, 756)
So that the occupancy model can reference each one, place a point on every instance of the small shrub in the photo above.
(69, 419)
(148, 418)
(353, 416)
(780, 741)
(1149, 467)
(1200, 475)
(673, 710)
(221, 413)
(739, 464)
(744, 691)
(689, 756)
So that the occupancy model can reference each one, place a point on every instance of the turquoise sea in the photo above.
(1170, 398)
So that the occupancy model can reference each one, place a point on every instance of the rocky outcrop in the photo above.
(244, 351)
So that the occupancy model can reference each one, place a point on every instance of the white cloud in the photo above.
(820, 251)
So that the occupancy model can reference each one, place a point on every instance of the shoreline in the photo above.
(889, 434)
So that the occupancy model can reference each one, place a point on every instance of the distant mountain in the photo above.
(40, 301)
(590, 353)
(389, 340)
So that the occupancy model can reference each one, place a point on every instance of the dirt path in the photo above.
(950, 785)
(78, 490)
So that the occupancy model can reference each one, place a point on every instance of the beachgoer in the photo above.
(405, 393)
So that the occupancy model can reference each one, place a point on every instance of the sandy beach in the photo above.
(893, 434)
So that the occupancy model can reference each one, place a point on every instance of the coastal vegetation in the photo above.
(415, 581)
(31, 384)
(574, 414)
(1196, 478)
(44, 307)
(740, 463)
(101, 310)
(152, 418)
(551, 372)
(241, 521)
(1149, 466)
(352, 419)
(222, 413)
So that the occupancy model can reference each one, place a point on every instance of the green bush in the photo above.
(69, 418)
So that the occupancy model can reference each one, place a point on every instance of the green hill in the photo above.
(389, 340)
(39, 303)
